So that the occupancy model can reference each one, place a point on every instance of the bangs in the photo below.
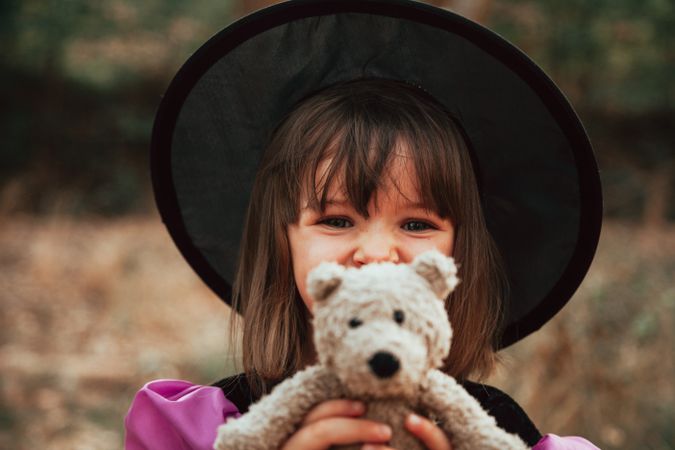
(362, 135)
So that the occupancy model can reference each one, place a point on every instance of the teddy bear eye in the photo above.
(399, 317)
(354, 322)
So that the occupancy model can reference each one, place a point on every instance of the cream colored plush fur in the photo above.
(387, 319)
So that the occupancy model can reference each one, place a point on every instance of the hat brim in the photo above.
(538, 176)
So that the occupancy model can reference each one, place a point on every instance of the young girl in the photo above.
(361, 171)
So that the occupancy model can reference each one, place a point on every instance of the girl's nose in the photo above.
(376, 249)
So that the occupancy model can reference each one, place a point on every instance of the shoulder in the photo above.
(508, 414)
(511, 417)
(237, 389)
(176, 414)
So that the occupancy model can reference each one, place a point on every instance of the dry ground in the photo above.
(93, 309)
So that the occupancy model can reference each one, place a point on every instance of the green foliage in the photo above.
(106, 42)
(610, 55)
(86, 78)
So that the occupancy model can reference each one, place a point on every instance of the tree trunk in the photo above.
(658, 190)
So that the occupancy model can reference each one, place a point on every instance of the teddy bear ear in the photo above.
(439, 270)
(324, 279)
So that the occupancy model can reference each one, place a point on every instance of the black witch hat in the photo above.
(539, 179)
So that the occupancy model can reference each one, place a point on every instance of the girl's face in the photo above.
(396, 230)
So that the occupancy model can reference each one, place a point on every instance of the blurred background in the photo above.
(95, 300)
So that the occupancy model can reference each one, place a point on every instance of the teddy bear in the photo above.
(380, 333)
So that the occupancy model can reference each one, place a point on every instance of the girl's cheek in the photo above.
(331, 248)
(441, 242)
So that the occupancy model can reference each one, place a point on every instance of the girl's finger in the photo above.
(427, 432)
(333, 408)
(375, 447)
(322, 434)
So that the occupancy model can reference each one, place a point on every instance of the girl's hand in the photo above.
(334, 422)
(428, 432)
(425, 430)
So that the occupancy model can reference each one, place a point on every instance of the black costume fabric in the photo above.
(508, 414)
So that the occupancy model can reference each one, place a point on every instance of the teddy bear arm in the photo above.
(270, 421)
(463, 418)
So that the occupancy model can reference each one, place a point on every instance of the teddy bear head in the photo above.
(381, 327)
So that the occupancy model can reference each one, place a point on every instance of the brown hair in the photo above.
(358, 125)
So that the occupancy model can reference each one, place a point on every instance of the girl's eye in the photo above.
(336, 222)
(354, 322)
(417, 225)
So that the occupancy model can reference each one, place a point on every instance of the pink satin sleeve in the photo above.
(176, 415)
(554, 442)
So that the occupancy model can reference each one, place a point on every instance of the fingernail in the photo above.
(368, 447)
(357, 407)
(384, 431)
(414, 419)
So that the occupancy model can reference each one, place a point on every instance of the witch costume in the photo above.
(537, 175)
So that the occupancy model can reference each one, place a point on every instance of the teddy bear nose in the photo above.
(384, 364)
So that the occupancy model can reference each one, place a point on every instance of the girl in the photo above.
(367, 169)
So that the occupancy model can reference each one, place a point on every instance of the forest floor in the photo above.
(93, 309)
